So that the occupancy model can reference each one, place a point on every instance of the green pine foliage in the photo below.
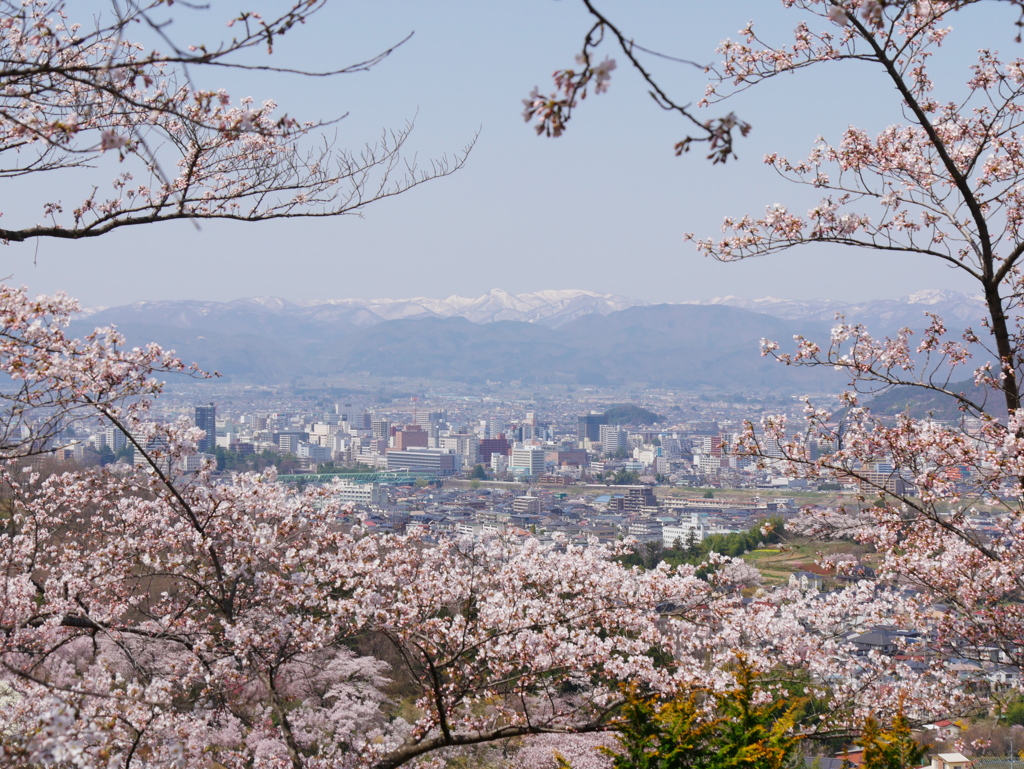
(708, 730)
(892, 746)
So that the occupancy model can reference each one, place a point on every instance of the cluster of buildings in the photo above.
(561, 464)
(562, 440)
(547, 513)
(439, 443)
(578, 477)
(582, 514)
(557, 437)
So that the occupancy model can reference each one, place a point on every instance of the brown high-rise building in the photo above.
(411, 435)
(638, 497)
(489, 446)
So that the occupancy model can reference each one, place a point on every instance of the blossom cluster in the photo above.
(550, 113)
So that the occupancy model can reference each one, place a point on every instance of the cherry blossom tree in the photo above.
(940, 502)
(944, 182)
(56, 381)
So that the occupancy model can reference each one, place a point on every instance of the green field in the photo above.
(798, 553)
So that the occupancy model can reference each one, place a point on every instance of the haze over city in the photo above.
(603, 208)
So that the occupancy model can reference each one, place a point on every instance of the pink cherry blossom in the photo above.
(158, 618)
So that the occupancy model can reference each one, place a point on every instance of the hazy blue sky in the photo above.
(602, 208)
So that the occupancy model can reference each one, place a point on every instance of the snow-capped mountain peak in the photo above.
(938, 296)
(550, 307)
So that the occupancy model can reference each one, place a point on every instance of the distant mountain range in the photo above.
(886, 315)
(566, 336)
(550, 308)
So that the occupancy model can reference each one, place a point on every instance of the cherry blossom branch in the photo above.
(552, 113)
(72, 97)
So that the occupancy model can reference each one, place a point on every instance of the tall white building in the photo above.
(527, 460)
(613, 438)
(313, 452)
(462, 443)
(114, 438)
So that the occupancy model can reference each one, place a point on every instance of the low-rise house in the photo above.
(806, 580)
(950, 761)
(875, 641)
(944, 731)
(1004, 678)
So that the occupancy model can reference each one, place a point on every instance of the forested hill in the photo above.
(628, 414)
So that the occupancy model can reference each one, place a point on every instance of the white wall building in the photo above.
(314, 452)
(115, 438)
(695, 523)
(528, 461)
(346, 490)
(613, 438)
